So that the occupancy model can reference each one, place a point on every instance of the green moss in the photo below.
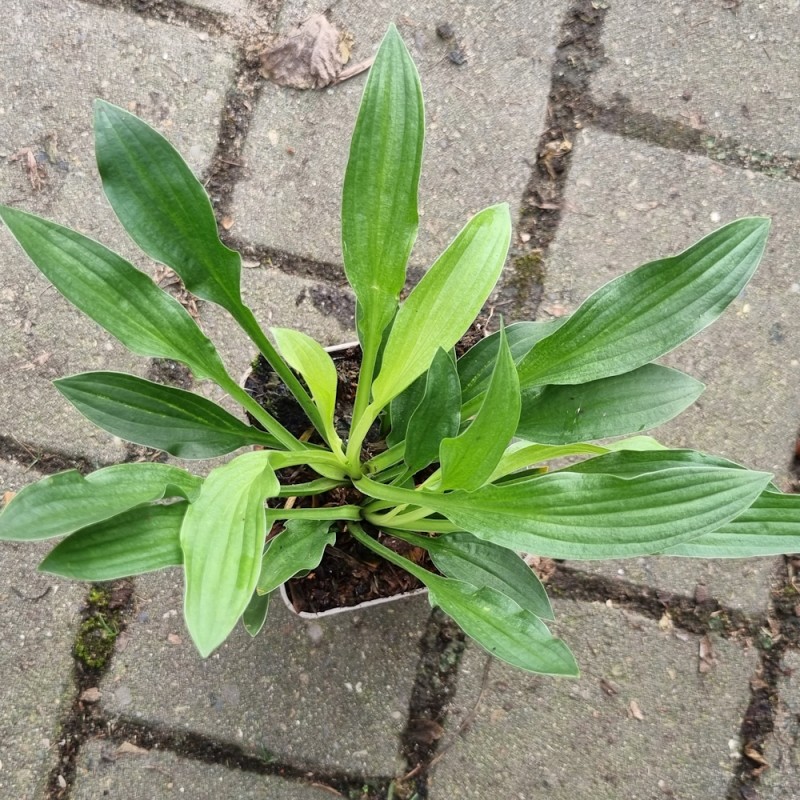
(98, 631)
(95, 642)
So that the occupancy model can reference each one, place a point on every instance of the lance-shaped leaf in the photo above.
(402, 407)
(379, 202)
(437, 416)
(144, 539)
(629, 463)
(309, 358)
(299, 546)
(571, 515)
(771, 526)
(480, 563)
(255, 615)
(444, 303)
(181, 423)
(114, 294)
(163, 206)
(66, 502)
(639, 316)
(627, 403)
(475, 367)
(470, 458)
(495, 621)
(222, 538)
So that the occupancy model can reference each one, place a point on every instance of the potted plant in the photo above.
(448, 455)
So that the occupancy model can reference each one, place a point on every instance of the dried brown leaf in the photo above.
(310, 57)
(635, 711)
(91, 695)
(130, 749)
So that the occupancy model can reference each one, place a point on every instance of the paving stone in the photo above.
(727, 70)
(483, 119)
(628, 203)
(329, 693)
(54, 62)
(641, 722)
(782, 751)
(105, 772)
(225, 6)
(38, 623)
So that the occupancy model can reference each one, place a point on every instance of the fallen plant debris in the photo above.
(311, 56)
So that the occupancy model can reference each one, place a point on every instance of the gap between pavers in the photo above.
(106, 771)
(731, 70)
(332, 693)
(782, 752)
(641, 721)
(57, 58)
(483, 119)
(627, 203)
(39, 616)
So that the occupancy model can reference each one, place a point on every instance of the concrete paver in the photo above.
(782, 752)
(105, 772)
(483, 119)
(619, 731)
(38, 621)
(331, 693)
(628, 203)
(52, 65)
(731, 69)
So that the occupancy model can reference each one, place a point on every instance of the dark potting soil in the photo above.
(349, 573)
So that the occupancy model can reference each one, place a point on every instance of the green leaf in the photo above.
(520, 455)
(495, 621)
(143, 539)
(181, 423)
(444, 303)
(379, 202)
(622, 404)
(571, 515)
(503, 628)
(470, 458)
(476, 365)
(299, 546)
(222, 538)
(771, 526)
(632, 463)
(114, 294)
(255, 615)
(402, 407)
(639, 316)
(163, 206)
(66, 502)
(480, 563)
(437, 416)
(309, 358)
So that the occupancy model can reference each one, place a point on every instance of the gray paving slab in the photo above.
(329, 693)
(106, 771)
(641, 722)
(628, 203)
(782, 752)
(38, 623)
(55, 58)
(225, 6)
(483, 119)
(726, 68)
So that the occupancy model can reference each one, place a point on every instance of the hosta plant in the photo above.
(460, 467)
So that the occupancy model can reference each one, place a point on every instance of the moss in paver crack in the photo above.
(99, 630)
